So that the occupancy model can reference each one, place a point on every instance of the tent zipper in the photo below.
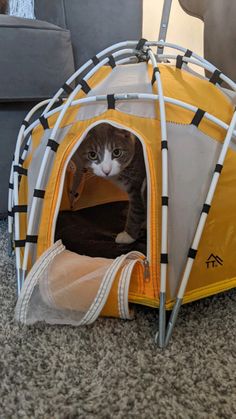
(146, 270)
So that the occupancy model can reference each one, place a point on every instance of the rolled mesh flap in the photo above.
(67, 288)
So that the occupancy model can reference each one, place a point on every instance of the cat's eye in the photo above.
(92, 155)
(116, 153)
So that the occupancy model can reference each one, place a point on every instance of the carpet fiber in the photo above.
(113, 369)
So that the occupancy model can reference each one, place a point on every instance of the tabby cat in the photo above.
(117, 155)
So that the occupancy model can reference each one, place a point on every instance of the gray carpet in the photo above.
(113, 369)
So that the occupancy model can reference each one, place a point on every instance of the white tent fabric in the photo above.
(132, 78)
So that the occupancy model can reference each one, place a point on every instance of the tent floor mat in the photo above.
(92, 231)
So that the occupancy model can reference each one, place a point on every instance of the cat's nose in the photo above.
(106, 171)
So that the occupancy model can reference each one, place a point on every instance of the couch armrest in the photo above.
(36, 58)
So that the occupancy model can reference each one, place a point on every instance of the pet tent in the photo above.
(186, 125)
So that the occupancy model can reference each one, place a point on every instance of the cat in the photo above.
(3, 6)
(116, 154)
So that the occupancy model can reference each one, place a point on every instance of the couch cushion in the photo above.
(94, 25)
(36, 58)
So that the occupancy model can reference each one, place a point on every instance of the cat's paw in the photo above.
(124, 238)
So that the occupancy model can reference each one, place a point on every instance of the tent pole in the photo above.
(160, 336)
(164, 24)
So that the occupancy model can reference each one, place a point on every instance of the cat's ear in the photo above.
(132, 138)
(127, 135)
(90, 134)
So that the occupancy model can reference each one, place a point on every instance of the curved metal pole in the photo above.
(84, 68)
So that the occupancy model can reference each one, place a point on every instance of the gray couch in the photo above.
(37, 56)
(93, 24)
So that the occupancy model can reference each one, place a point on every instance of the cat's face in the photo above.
(107, 150)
